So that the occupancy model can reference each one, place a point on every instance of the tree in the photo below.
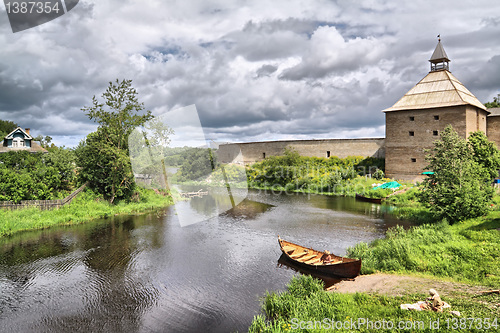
(44, 142)
(121, 115)
(460, 187)
(485, 153)
(6, 126)
(495, 103)
(199, 163)
(28, 176)
(103, 156)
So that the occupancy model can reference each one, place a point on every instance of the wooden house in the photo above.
(20, 139)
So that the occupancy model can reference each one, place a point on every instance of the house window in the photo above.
(436, 117)
(435, 133)
(17, 142)
(412, 118)
(413, 160)
(263, 155)
(412, 133)
(327, 154)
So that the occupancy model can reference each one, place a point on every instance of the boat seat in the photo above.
(306, 258)
(312, 261)
(298, 254)
(288, 248)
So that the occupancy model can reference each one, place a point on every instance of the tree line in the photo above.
(101, 159)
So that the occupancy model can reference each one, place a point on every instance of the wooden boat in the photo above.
(329, 281)
(372, 200)
(310, 259)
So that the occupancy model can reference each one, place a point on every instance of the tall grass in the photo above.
(86, 206)
(467, 251)
(305, 301)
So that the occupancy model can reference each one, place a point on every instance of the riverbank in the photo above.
(306, 307)
(459, 260)
(85, 207)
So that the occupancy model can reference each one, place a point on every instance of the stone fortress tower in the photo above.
(411, 126)
(417, 119)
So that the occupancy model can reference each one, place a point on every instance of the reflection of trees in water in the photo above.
(219, 202)
(248, 209)
(206, 205)
(115, 296)
(351, 205)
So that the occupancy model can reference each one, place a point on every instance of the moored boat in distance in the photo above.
(311, 260)
(372, 200)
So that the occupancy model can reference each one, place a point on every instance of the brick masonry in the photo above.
(251, 152)
(410, 133)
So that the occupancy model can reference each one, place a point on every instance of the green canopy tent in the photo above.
(393, 185)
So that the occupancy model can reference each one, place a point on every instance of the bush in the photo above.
(379, 174)
(460, 187)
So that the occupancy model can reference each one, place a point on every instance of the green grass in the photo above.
(467, 251)
(347, 188)
(306, 301)
(85, 207)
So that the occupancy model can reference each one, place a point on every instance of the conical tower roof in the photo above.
(439, 54)
(436, 89)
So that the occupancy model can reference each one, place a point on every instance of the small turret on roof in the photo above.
(439, 59)
(438, 89)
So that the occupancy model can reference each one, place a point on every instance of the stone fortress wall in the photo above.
(252, 152)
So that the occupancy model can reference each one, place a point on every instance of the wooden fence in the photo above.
(42, 204)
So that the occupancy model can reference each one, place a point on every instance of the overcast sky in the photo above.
(256, 70)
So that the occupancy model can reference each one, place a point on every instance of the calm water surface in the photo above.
(149, 274)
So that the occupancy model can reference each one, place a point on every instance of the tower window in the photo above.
(436, 117)
(412, 133)
(263, 155)
(413, 160)
(435, 133)
(327, 154)
(412, 118)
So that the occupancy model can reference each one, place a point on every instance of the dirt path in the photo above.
(396, 285)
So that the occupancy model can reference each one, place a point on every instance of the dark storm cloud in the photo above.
(294, 70)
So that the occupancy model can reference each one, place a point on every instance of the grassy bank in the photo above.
(85, 207)
(306, 304)
(466, 252)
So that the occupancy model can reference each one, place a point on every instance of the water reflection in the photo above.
(328, 281)
(75, 278)
(149, 274)
(247, 209)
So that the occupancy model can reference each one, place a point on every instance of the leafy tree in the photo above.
(119, 115)
(103, 156)
(495, 103)
(199, 163)
(106, 168)
(45, 142)
(460, 187)
(148, 147)
(485, 153)
(6, 126)
(64, 161)
(28, 176)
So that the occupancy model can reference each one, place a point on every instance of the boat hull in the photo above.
(340, 266)
(372, 200)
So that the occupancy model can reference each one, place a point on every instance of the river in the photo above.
(146, 273)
